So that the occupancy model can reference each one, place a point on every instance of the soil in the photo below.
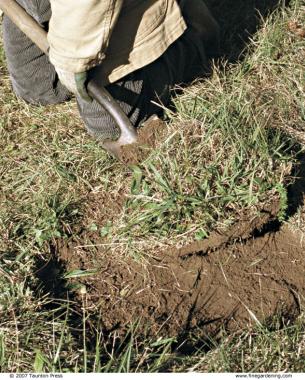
(153, 131)
(231, 285)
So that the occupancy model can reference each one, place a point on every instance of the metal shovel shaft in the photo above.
(38, 35)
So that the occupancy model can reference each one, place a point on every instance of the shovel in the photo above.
(38, 35)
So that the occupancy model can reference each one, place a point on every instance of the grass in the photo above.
(260, 350)
(228, 149)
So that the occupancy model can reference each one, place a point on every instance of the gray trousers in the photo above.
(34, 78)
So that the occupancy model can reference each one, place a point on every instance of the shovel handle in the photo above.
(27, 24)
(30, 27)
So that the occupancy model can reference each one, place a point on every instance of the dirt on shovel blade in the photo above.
(152, 131)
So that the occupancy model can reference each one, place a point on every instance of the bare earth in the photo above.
(229, 285)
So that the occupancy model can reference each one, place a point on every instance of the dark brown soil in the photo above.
(229, 285)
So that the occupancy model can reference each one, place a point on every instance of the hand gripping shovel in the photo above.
(38, 35)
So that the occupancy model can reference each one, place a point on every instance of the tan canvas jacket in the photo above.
(123, 35)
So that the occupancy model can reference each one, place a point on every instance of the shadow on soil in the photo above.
(238, 21)
(51, 282)
(296, 192)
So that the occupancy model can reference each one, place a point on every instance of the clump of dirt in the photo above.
(227, 285)
(152, 132)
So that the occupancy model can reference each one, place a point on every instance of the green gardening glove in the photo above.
(75, 82)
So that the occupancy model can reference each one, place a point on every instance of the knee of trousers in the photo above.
(39, 89)
(31, 93)
(43, 98)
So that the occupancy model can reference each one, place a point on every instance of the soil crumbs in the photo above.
(231, 286)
